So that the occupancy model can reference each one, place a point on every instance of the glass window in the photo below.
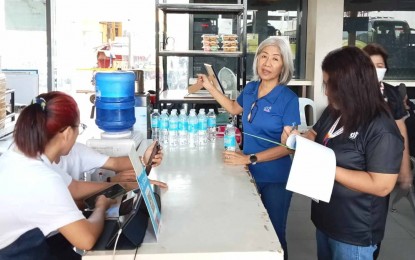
(103, 36)
(24, 38)
(275, 21)
(391, 29)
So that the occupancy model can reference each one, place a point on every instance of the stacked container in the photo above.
(210, 42)
(229, 42)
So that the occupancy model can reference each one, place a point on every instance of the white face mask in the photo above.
(381, 73)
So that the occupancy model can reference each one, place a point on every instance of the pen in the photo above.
(294, 126)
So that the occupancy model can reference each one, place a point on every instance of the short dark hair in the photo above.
(353, 87)
(39, 122)
(377, 49)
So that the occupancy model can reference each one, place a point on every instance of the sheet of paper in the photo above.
(313, 169)
(146, 190)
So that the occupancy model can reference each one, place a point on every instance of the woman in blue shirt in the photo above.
(267, 106)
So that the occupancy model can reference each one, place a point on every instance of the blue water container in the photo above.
(115, 100)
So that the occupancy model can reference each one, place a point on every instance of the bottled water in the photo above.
(211, 125)
(183, 125)
(155, 117)
(164, 127)
(202, 127)
(173, 129)
(229, 139)
(192, 128)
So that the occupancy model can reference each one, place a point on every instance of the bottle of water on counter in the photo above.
(192, 128)
(173, 129)
(155, 117)
(211, 124)
(202, 128)
(164, 127)
(229, 138)
(183, 125)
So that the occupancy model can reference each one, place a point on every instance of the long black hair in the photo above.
(353, 89)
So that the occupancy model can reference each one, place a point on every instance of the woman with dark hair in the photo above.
(358, 127)
(268, 106)
(32, 194)
(391, 94)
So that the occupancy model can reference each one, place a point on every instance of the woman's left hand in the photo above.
(159, 183)
(235, 158)
(157, 158)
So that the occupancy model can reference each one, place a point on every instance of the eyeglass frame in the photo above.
(252, 115)
(80, 126)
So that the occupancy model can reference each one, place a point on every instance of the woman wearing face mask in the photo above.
(391, 94)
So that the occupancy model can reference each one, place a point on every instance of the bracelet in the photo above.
(108, 179)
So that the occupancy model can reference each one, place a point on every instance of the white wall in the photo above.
(324, 34)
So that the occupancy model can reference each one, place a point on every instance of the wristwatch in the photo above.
(253, 159)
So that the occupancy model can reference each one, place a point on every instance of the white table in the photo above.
(209, 211)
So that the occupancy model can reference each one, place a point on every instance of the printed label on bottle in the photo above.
(230, 142)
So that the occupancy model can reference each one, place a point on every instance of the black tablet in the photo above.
(110, 192)
(211, 72)
(156, 149)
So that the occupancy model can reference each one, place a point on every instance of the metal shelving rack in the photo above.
(239, 10)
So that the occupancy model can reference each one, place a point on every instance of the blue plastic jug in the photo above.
(115, 100)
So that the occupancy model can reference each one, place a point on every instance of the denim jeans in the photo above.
(330, 249)
(277, 201)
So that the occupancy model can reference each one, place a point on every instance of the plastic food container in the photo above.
(210, 37)
(211, 48)
(230, 49)
(229, 37)
(230, 44)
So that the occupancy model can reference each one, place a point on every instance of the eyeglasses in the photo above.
(81, 128)
(252, 112)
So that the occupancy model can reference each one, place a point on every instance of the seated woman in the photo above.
(33, 194)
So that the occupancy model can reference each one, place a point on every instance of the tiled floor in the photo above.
(398, 244)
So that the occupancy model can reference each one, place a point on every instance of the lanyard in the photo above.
(330, 133)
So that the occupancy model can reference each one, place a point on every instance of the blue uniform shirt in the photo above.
(270, 114)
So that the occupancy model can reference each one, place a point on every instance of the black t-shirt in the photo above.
(410, 128)
(354, 217)
(394, 100)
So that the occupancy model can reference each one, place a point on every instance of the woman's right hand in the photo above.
(104, 202)
(204, 80)
(288, 130)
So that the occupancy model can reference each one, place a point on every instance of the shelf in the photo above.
(202, 8)
(193, 53)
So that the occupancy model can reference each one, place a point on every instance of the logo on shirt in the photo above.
(267, 109)
(353, 135)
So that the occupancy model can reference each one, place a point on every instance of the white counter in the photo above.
(209, 211)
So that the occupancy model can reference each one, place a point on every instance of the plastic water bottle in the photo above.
(202, 127)
(211, 124)
(229, 138)
(183, 125)
(192, 128)
(164, 127)
(173, 129)
(155, 117)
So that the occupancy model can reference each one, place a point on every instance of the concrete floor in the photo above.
(398, 244)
